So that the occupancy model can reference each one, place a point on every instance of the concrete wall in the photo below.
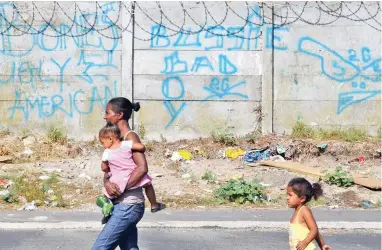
(329, 75)
(220, 72)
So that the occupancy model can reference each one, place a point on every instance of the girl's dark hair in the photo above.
(302, 187)
(110, 129)
(123, 105)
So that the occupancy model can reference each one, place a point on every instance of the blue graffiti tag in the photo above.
(171, 83)
(220, 88)
(27, 72)
(173, 65)
(335, 67)
(348, 99)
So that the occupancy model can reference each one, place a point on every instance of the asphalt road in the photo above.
(177, 239)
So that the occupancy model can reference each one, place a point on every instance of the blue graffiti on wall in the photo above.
(221, 88)
(174, 67)
(346, 71)
(229, 38)
(24, 71)
(47, 106)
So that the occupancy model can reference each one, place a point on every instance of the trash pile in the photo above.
(9, 194)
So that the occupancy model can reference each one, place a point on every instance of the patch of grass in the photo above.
(340, 178)
(163, 139)
(210, 177)
(301, 130)
(25, 132)
(142, 131)
(317, 203)
(378, 204)
(149, 146)
(252, 137)
(53, 179)
(241, 191)
(94, 142)
(31, 189)
(225, 137)
(4, 132)
(56, 134)
(61, 202)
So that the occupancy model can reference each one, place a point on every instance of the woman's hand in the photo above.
(112, 189)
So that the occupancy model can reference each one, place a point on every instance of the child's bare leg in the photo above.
(150, 193)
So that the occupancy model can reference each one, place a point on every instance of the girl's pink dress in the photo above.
(121, 166)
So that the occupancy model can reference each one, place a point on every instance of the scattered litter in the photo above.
(334, 207)
(83, 175)
(361, 159)
(4, 184)
(265, 184)
(255, 155)
(44, 177)
(27, 152)
(178, 193)
(280, 150)
(50, 191)
(186, 176)
(30, 140)
(276, 158)
(322, 147)
(220, 154)
(366, 204)
(378, 153)
(167, 153)
(10, 198)
(185, 154)
(157, 175)
(233, 153)
(176, 157)
(3, 194)
(28, 207)
(236, 177)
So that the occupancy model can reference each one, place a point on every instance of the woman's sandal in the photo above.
(160, 206)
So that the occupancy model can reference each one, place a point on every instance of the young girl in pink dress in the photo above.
(117, 160)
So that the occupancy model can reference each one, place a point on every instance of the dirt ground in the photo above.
(179, 184)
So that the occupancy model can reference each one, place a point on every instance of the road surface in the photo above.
(183, 239)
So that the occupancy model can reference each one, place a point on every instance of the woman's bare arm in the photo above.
(140, 160)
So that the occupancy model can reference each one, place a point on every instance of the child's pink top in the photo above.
(121, 166)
